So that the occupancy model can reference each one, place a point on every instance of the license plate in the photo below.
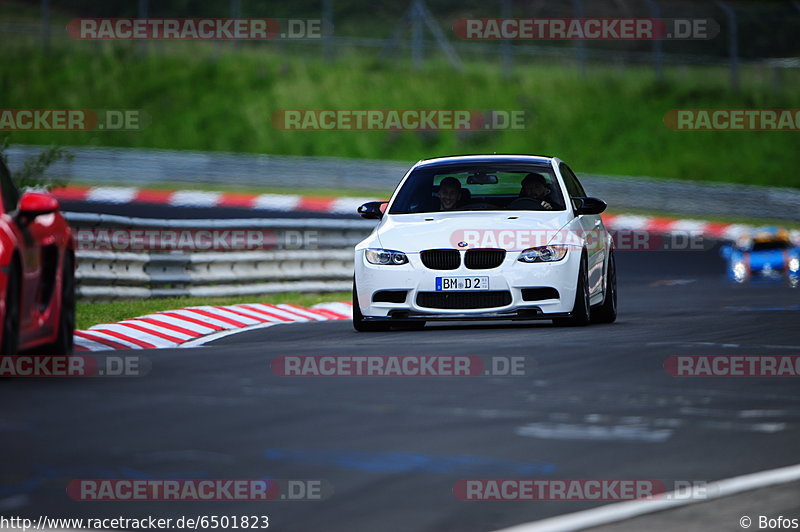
(445, 284)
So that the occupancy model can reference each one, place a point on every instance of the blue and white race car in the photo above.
(766, 253)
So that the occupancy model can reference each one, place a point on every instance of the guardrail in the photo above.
(104, 274)
(324, 264)
(141, 167)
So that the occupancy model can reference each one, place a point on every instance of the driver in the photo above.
(535, 187)
(449, 193)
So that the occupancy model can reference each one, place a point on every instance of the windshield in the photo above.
(768, 245)
(477, 187)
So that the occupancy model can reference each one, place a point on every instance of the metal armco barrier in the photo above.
(326, 264)
(143, 167)
(104, 275)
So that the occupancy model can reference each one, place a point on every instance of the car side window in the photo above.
(8, 189)
(574, 187)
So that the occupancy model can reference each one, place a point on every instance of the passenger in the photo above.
(535, 187)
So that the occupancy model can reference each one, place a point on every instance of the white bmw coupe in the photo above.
(494, 237)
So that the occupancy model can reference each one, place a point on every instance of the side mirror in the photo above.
(33, 204)
(372, 210)
(588, 205)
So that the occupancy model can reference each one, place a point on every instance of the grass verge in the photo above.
(608, 122)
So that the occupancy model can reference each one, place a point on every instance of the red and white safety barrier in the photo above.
(661, 225)
(348, 205)
(172, 328)
(201, 198)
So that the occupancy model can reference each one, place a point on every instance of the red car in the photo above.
(37, 272)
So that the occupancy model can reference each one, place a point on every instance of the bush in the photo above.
(32, 173)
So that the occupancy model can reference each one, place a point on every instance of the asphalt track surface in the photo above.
(595, 403)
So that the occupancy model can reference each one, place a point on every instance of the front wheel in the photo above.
(581, 311)
(607, 312)
(10, 344)
(359, 323)
(66, 321)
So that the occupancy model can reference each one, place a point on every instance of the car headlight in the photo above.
(739, 271)
(551, 253)
(794, 264)
(386, 257)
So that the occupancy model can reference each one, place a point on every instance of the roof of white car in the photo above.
(541, 159)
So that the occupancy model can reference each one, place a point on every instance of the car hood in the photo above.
(510, 230)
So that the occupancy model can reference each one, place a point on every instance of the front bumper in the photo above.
(511, 276)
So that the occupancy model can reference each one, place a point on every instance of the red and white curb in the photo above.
(348, 205)
(662, 225)
(192, 326)
(200, 198)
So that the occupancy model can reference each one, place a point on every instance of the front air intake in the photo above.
(539, 293)
(464, 300)
(389, 296)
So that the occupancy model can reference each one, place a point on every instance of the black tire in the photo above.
(359, 323)
(11, 322)
(66, 320)
(581, 314)
(607, 311)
